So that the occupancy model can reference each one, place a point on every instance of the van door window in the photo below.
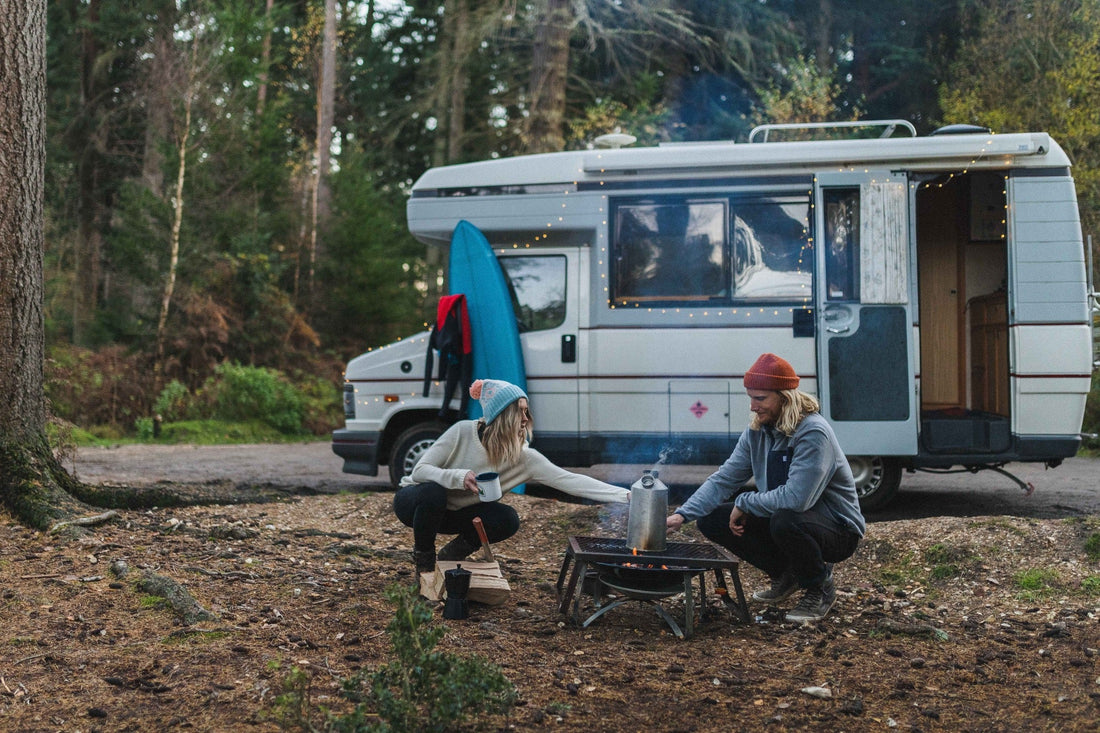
(877, 273)
(842, 243)
(687, 251)
(538, 290)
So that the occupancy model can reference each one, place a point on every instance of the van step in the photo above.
(964, 431)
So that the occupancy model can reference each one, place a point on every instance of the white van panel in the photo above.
(699, 406)
(694, 352)
(1054, 349)
(1049, 406)
(1045, 249)
(629, 405)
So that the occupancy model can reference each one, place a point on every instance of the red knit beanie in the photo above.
(771, 373)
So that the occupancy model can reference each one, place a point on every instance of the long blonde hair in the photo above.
(501, 437)
(796, 405)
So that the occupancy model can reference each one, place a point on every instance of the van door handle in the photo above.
(568, 348)
(837, 330)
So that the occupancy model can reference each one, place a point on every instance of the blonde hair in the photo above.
(501, 437)
(795, 406)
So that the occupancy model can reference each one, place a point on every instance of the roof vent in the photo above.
(614, 140)
(961, 130)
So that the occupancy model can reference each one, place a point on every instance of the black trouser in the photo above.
(799, 542)
(424, 508)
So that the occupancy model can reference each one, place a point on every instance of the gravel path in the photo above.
(312, 465)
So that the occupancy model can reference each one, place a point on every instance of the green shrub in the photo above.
(173, 402)
(946, 560)
(1035, 583)
(238, 393)
(1090, 586)
(322, 403)
(944, 571)
(422, 689)
(88, 388)
(208, 432)
(1092, 546)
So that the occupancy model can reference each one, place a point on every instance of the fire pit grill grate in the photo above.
(681, 560)
(615, 549)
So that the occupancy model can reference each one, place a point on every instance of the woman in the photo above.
(440, 495)
(804, 514)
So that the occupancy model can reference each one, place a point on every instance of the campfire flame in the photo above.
(634, 551)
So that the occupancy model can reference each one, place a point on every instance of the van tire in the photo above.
(877, 480)
(409, 446)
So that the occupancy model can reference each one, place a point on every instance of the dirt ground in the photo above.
(965, 623)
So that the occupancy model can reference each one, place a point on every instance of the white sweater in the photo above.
(459, 451)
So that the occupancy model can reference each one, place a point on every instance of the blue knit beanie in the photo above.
(494, 395)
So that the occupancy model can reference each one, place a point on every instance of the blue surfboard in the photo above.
(475, 272)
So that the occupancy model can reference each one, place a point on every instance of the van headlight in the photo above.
(349, 401)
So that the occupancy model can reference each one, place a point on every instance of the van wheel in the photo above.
(409, 446)
(877, 480)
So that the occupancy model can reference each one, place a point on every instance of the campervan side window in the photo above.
(538, 290)
(707, 251)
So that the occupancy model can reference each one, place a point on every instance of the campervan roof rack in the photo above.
(889, 125)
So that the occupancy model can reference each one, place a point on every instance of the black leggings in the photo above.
(424, 508)
(799, 542)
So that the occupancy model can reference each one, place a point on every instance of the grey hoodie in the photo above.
(819, 476)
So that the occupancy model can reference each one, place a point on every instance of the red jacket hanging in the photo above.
(452, 338)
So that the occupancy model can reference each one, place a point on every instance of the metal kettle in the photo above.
(645, 525)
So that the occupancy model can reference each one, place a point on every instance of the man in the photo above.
(804, 514)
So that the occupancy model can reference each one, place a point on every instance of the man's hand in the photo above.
(674, 522)
(737, 522)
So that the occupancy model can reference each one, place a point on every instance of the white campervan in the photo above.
(931, 291)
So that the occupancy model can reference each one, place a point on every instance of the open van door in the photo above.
(866, 380)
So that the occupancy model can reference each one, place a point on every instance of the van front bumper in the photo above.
(359, 449)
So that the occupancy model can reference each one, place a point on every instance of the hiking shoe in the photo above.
(457, 549)
(781, 589)
(424, 560)
(815, 603)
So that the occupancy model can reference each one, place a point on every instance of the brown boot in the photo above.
(457, 549)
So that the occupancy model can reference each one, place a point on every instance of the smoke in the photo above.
(679, 452)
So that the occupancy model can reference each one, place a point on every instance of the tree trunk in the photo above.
(32, 482)
(265, 61)
(549, 74)
(326, 95)
(823, 34)
(456, 84)
(177, 213)
(89, 244)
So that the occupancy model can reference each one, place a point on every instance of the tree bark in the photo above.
(549, 74)
(265, 61)
(32, 481)
(89, 243)
(457, 79)
(177, 212)
(326, 96)
(823, 34)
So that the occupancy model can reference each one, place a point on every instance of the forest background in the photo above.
(226, 179)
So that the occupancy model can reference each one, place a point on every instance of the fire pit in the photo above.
(647, 577)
